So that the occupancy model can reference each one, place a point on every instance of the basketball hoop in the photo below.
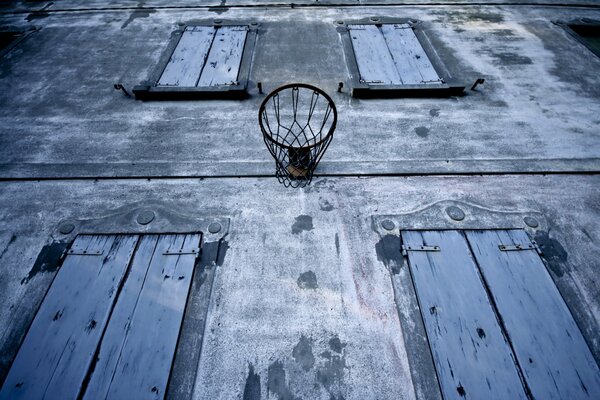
(297, 122)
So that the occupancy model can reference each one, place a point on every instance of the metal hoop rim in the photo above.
(261, 109)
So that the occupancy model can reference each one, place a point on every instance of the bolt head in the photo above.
(66, 227)
(145, 217)
(388, 225)
(215, 227)
(531, 222)
(455, 213)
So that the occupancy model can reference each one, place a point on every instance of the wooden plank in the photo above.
(414, 67)
(373, 57)
(116, 331)
(223, 62)
(188, 58)
(141, 338)
(471, 355)
(551, 350)
(62, 340)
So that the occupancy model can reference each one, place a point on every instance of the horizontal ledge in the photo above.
(425, 90)
(233, 92)
(38, 171)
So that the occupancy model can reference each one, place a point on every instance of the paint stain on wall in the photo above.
(302, 223)
(303, 353)
(252, 387)
(307, 280)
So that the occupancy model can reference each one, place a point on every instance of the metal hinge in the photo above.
(81, 252)
(195, 251)
(520, 247)
(406, 249)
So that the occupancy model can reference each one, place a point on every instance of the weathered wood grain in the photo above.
(471, 355)
(551, 350)
(188, 58)
(373, 57)
(223, 62)
(62, 340)
(411, 61)
(140, 341)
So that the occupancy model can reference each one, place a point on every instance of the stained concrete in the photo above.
(303, 303)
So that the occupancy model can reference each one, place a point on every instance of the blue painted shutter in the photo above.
(391, 55)
(206, 56)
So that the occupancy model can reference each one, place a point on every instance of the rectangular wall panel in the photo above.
(61, 342)
(188, 58)
(223, 62)
(136, 355)
(373, 57)
(471, 355)
(551, 350)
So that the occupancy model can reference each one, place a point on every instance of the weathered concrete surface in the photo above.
(61, 117)
(336, 335)
(303, 304)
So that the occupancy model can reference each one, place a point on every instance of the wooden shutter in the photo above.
(110, 319)
(206, 56)
(62, 340)
(471, 355)
(556, 361)
(391, 55)
(496, 323)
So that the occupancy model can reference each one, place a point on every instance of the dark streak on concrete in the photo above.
(252, 387)
(388, 252)
(307, 280)
(422, 131)
(47, 261)
(331, 373)
(223, 247)
(337, 244)
(10, 241)
(553, 252)
(303, 354)
(276, 382)
(220, 9)
(303, 223)
(138, 14)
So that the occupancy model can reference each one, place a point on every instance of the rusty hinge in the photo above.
(195, 251)
(81, 252)
(406, 249)
(520, 247)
